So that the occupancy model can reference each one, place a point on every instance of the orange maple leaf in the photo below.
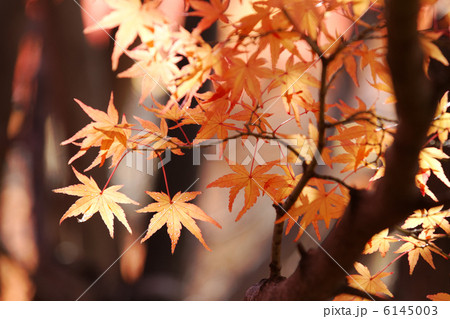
(415, 247)
(430, 49)
(214, 121)
(133, 18)
(274, 33)
(353, 157)
(429, 161)
(347, 60)
(280, 186)
(245, 75)
(156, 139)
(314, 204)
(253, 119)
(441, 296)
(293, 81)
(366, 282)
(379, 242)
(252, 182)
(431, 218)
(105, 132)
(152, 67)
(175, 212)
(441, 123)
(93, 200)
(210, 11)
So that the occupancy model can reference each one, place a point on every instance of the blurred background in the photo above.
(45, 62)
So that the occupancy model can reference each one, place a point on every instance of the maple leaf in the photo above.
(379, 242)
(314, 204)
(244, 75)
(354, 156)
(172, 111)
(430, 49)
(105, 132)
(156, 138)
(306, 15)
(293, 81)
(175, 213)
(441, 122)
(428, 161)
(93, 200)
(210, 12)
(152, 67)
(306, 217)
(252, 182)
(420, 246)
(202, 58)
(214, 122)
(441, 296)
(366, 282)
(272, 34)
(344, 58)
(280, 186)
(431, 218)
(133, 19)
(254, 119)
(369, 58)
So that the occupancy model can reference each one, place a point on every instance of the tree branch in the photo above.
(322, 273)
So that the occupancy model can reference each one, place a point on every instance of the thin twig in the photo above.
(334, 179)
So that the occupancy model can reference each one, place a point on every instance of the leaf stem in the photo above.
(393, 261)
(164, 174)
(114, 171)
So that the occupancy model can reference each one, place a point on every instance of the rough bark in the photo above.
(320, 273)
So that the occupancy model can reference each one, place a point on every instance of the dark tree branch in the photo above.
(277, 237)
(12, 18)
(321, 274)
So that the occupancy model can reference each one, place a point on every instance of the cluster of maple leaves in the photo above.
(237, 106)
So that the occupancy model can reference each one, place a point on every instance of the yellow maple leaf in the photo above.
(105, 132)
(431, 218)
(175, 212)
(415, 247)
(429, 161)
(93, 200)
(430, 49)
(441, 122)
(368, 283)
(379, 242)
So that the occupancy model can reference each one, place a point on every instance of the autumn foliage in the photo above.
(281, 50)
